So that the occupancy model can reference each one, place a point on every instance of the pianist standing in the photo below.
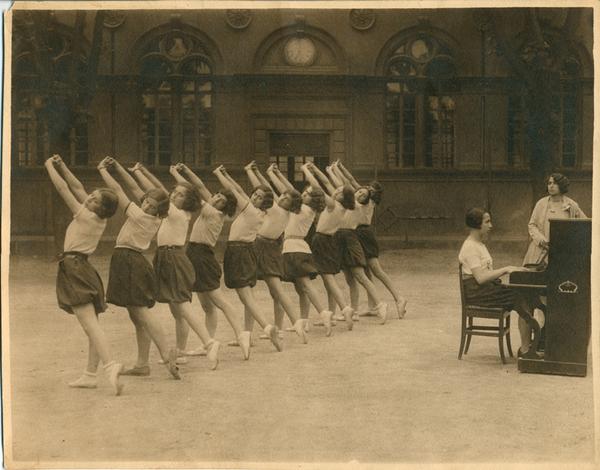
(554, 206)
(482, 285)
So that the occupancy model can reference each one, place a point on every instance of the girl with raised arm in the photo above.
(269, 245)
(174, 271)
(324, 246)
(132, 283)
(205, 234)
(298, 263)
(239, 263)
(79, 288)
(367, 201)
(354, 261)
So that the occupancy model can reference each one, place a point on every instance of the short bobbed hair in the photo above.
(474, 217)
(376, 191)
(191, 203)
(109, 203)
(348, 200)
(162, 201)
(268, 198)
(561, 180)
(230, 202)
(317, 199)
(296, 200)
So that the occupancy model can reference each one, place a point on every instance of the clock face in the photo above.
(300, 51)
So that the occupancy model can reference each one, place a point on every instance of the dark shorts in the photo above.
(78, 283)
(326, 254)
(366, 236)
(350, 249)
(239, 265)
(269, 260)
(131, 280)
(297, 265)
(208, 270)
(174, 273)
(491, 294)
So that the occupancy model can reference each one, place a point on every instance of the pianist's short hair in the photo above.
(561, 180)
(474, 217)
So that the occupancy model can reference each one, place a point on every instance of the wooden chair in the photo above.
(469, 328)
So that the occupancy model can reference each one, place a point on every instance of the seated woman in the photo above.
(481, 281)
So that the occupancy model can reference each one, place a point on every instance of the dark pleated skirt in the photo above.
(269, 260)
(131, 280)
(78, 283)
(174, 273)
(207, 269)
(297, 265)
(366, 236)
(326, 254)
(239, 265)
(351, 251)
(491, 294)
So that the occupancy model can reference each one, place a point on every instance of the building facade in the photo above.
(419, 99)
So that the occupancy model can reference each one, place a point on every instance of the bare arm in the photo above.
(61, 186)
(150, 177)
(250, 172)
(277, 183)
(284, 181)
(175, 174)
(130, 183)
(325, 182)
(195, 180)
(335, 176)
(310, 177)
(74, 184)
(262, 179)
(113, 184)
(347, 175)
(228, 183)
(483, 275)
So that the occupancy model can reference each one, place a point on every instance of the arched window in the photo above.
(566, 105)
(419, 104)
(43, 118)
(177, 99)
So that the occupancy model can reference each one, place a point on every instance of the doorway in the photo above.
(292, 150)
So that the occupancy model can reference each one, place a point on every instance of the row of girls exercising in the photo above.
(267, 241)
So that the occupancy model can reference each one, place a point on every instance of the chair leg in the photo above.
(508, 346)
(468, 343)
(462, 338)
(501, 339)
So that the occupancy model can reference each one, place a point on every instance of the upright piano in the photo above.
(566, 284)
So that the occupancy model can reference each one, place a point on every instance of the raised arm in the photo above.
(194, 179)
(112, 183)
(128, 180)
(273, 176)
(308, 169)
(336, 178)
(74, 184)
(61, 186)
(325, 182)
(145, 173)
(252, 176)
(286, 185)
(261, 178)
(228, 183)
(347, 175)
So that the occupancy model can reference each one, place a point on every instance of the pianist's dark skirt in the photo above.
(491, 294)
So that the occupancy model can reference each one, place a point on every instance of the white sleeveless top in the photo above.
(138, 230)
(208, 225)
(84, 232)
(297, 228)
(331, 220)
(246, 225)
(274, 223)
(174, 228)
